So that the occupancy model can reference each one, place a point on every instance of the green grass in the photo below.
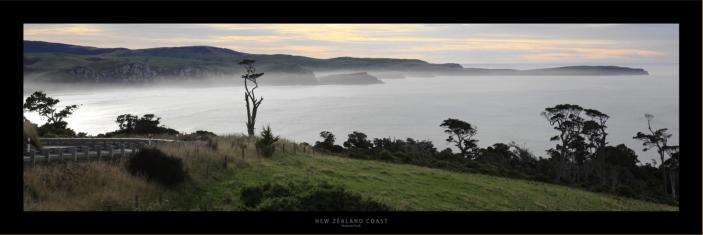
(211, 186)
(408, 187)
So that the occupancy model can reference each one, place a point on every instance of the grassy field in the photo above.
(211, 186)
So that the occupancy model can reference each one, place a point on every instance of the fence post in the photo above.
(284, 148)
(242, 148)
(112, 154)
(60, 154)
(48, 154)
(75, 154)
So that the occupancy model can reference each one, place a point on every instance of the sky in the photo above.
(585, 44)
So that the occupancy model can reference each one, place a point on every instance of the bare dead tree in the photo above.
(249, 95)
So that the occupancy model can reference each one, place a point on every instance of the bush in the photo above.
(306, 197)
(328, 197)
(265, 144)
(56, 130)
(30, 132)
(155, 165)
(385, 155)
(198, 135)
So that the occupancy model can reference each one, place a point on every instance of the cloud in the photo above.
(589, 54)
(602, 25)
(44, 30)
(509, 44)
(503, 42)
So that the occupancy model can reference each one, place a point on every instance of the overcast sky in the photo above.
(612, 44)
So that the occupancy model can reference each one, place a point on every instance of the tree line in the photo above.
(582, 156)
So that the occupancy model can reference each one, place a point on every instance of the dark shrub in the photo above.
(265, 144)
(198, 135)
(307, 197)
(326, 197)
(53, 130)
(155, 165)
(385, 155)
(280, 204)
(252, 196)
(337, 149)
(359, 153)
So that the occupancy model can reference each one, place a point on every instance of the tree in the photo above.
(147, 124)
(127, 122)
(620, 155)
(327, 142)
(265, 143)
(656, 139)
(461, 134)
(672, 166)
(499, 153)
(249, 95)
(567, 121)
(357, 140)
(45, 106)
(594, 129)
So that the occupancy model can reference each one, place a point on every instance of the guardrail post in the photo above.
(60, 154)
(99, 149)
(32, 157)
(48, 156)
(112, 155)
(121, 152)
(74, 151)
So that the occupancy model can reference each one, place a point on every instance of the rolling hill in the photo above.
(211, 186)
(56, 62)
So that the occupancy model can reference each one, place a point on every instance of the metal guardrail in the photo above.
(74, 149)
(49, 141)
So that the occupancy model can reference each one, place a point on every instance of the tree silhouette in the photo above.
(657, 139)
(460, 133)
(357, 140)
(327, 142)
(127, 122)
(594, 129)
(44, 106)
(249, 95)
(567, 120)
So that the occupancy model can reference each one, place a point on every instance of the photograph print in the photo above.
(350, 117)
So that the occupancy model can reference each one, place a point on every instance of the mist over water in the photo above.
(504, 108)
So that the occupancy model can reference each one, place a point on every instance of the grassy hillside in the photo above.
(211, 186)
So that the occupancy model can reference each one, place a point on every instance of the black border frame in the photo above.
(686, 13)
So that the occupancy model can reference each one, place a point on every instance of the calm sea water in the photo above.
(503, 108)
